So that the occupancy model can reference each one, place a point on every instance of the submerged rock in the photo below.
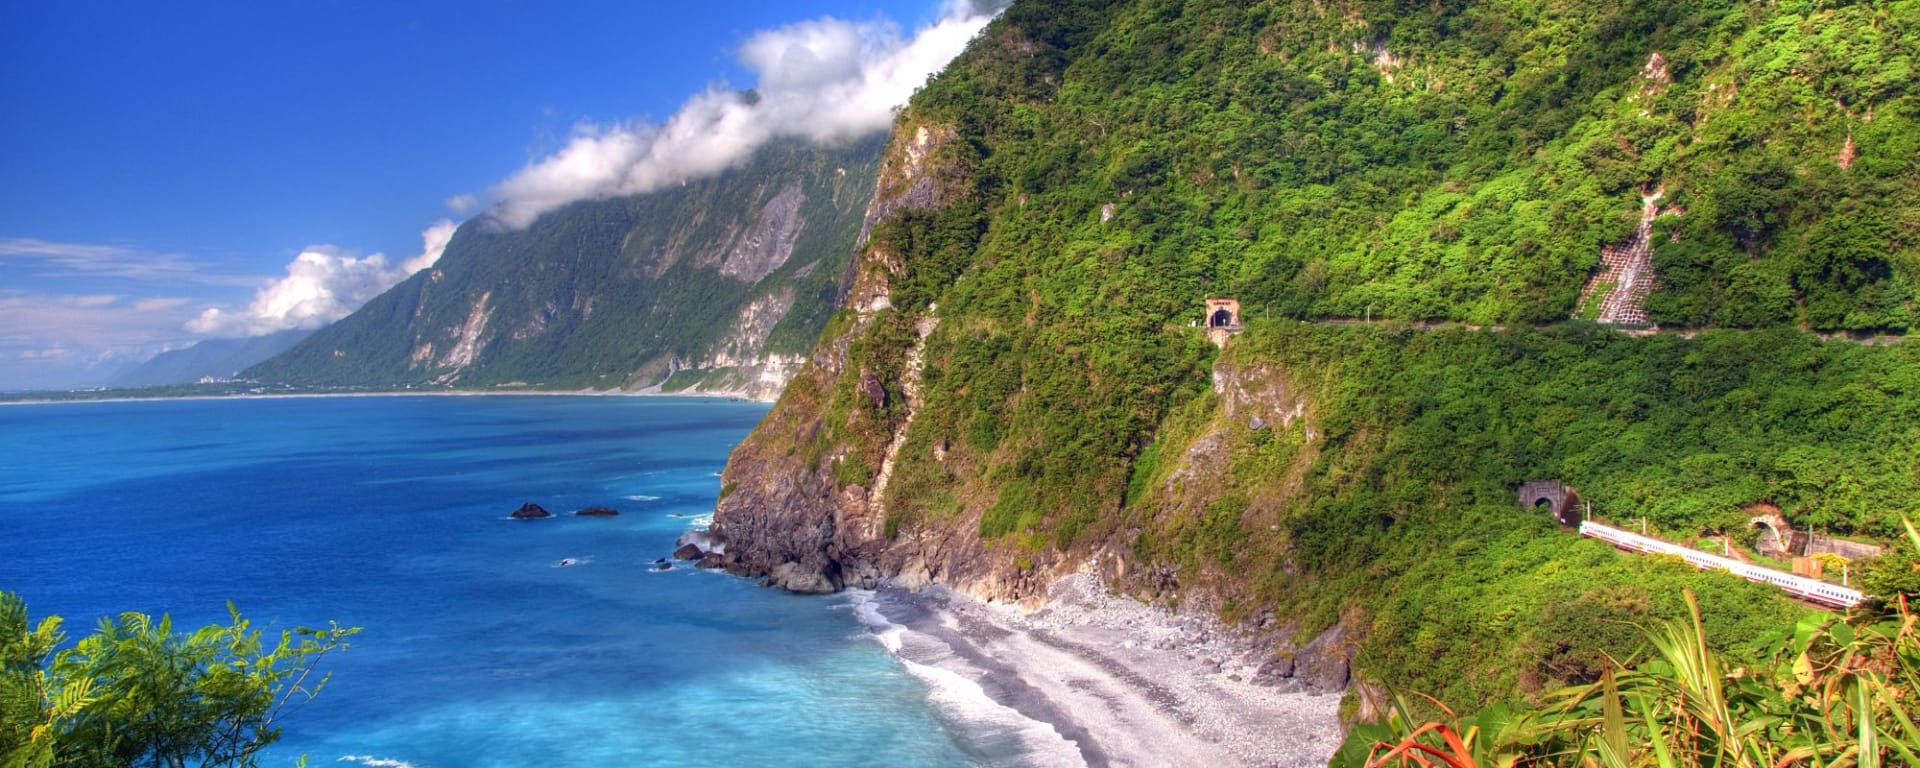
(598, 511)
(531, 511)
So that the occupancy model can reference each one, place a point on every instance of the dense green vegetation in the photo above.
(135, 693)
(1114, 163)
(1400, 510)
(1455, 160)
(1264, 151)
(605, 293)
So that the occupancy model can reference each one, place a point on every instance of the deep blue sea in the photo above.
(479, 648)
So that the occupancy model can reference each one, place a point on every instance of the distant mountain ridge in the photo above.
(717, 285)
(210, 358)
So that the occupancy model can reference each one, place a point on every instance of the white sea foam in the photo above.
(642, 497)
(997, 733)
(695, 521)
(568, 562)
(376, 762)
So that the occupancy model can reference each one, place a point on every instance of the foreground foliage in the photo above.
(1831, 693)
(135, 693)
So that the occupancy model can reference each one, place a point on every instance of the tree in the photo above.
(134, 693)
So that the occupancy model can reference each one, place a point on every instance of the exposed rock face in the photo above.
(801, 579)
(1627, 274)
(598, 511)
(768, 241)
(465, 338)
(531, 511)
(791, 520)
(813, 487)
(1323, 666)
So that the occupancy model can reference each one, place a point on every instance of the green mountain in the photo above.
(716, 285)
(1438, 219)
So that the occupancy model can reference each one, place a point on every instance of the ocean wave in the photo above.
(642, 497)
(694, 519)
(376, 762)
(568, 562)
(998, 734)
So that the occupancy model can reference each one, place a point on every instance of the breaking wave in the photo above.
(993, 733)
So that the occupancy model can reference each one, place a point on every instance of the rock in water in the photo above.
(598, 511)
(707, 541)
(531, 511)
(688, 552)
(794, 577)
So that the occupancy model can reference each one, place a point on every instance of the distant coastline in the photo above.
(388, 393)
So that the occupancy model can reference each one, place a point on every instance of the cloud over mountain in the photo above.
(823, 79)
(323, 284)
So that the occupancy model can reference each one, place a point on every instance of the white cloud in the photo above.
(160, 304)
(50, 353)
(462, 205)
(824, 79)
(95, 300)
(62, 340)
(433, 242)
(48, 258)
(323, 284)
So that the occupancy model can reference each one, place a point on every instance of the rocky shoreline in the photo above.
(1120, 682)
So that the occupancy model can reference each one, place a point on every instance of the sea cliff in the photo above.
(1417, 211)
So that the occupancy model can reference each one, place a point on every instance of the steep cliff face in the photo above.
(797, 493)
(718, 286)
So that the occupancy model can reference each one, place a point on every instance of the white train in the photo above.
(1811, 590)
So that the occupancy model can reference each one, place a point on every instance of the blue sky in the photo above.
(163, 159)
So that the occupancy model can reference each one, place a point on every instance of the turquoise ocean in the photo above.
(479, 648)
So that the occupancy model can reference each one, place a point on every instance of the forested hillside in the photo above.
(1016, 391)
(720, 284)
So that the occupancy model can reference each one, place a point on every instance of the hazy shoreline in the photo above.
(395, 393)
